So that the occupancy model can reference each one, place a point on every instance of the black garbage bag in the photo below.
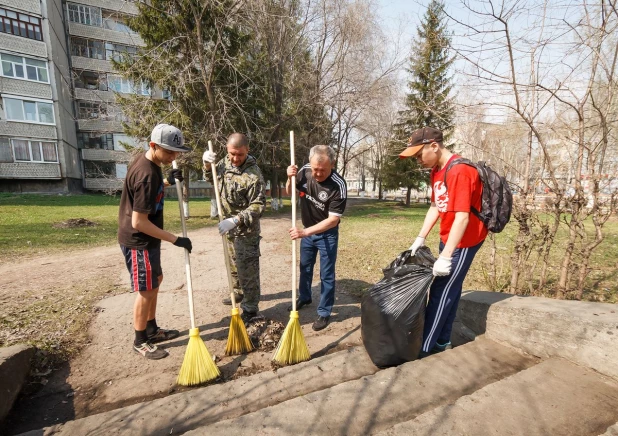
(393, 310)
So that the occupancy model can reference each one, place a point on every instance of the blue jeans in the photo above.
(444, 297)
(326, 244)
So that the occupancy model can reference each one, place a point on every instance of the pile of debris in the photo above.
(265, 333)
(74, 223)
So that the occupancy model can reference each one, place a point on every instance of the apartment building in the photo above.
(60, 130)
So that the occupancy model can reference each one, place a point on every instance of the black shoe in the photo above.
(228, 301)
(163, 335)
(248, 317)
(300, 304)
(321, 323)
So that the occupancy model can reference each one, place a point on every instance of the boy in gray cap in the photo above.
(140, 231)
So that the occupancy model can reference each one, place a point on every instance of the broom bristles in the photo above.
(238, 341)
(198, 366)
(292, 347)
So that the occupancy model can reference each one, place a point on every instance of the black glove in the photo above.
(184, 243)
(175, 173)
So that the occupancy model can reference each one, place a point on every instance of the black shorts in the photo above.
(144, 267)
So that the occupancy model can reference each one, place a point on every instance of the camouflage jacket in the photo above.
(242, 194)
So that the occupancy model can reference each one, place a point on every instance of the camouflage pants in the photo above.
(245, 267)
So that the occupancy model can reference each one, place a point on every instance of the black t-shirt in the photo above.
(319, 200)
(142, 192)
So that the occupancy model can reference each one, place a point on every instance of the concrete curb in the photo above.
(178, 413)
(612, 431)
(14, 368)
(582, 332)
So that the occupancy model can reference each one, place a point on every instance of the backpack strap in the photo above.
(463, 160)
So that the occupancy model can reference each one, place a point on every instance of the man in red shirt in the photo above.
(461, 232)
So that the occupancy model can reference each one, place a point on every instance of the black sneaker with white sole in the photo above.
(163, 335)
(150, 351)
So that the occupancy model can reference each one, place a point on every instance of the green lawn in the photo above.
(372, 234)
(27, 221)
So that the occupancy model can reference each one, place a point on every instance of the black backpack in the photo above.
(497, 201)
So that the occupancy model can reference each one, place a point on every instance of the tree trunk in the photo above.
(408, 194)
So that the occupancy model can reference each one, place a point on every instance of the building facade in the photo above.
(60, 130)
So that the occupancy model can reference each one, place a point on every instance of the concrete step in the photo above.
(612, 431)
(184, 411)
(377, 402)
(555, 397)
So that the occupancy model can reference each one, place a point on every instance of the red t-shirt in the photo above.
(463, 189)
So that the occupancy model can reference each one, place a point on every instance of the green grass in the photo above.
(372, 234)
(27, 221)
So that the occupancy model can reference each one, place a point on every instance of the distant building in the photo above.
(60, 130)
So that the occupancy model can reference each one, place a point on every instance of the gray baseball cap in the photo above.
(168, 137)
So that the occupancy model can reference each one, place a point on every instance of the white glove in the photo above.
(227, 225)
(418, 243)
(442, 267)
(209, 156)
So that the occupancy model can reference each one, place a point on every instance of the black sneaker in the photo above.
(228, 301)
(150, 351)
(320, 323)
(163, 335)
(300, 304)
(248, 317)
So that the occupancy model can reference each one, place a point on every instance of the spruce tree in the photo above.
(428, 102)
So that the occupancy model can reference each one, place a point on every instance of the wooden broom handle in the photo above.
(226, 254)
(187, 260)
(293, 223)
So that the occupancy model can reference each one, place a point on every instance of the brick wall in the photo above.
(26, 88)
(32, 6)
(23, 45)
(27, 130)
(29, 170)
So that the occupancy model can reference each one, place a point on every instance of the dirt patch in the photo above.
(107, 374)
(74, 223)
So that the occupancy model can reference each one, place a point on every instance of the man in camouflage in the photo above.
(241, 186)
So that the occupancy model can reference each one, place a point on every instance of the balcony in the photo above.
(97, 154)
(126, 7)
(95, 32)
(98, 125)
(103, 184)
(94, 95)
(29, 170)
(82, 63)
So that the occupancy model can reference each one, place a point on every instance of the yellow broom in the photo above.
(292, 347)
(238, 341)
(198, 366)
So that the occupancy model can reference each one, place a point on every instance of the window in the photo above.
(88, 15)
(91, 110)
(126, 86)
(6, 152)
(116, 51)
(104, 141)
(88, 48)
(90, 80)
(24, 68)
(29, 111)
(117, 25)
(18, 24)
(33, 151)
